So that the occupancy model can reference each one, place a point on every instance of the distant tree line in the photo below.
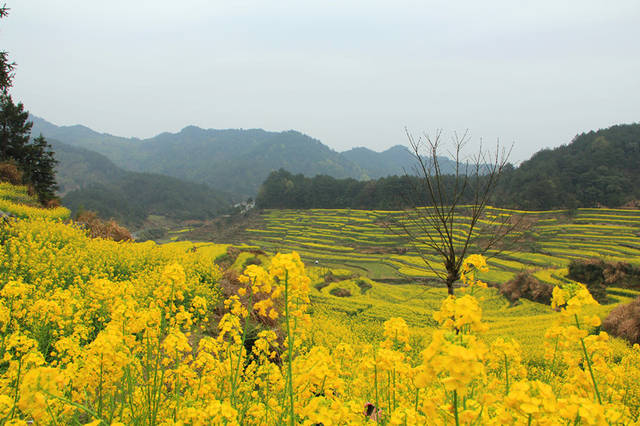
(282, 190)
(599, 168)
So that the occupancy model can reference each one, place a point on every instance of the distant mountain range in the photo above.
(396, 160)
(235, 161)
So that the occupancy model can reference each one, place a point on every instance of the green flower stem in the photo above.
(290, 347)
(76, 405)
(17, 393)
(506, 374)
(455, 407)
(375, 378)
(586, 356)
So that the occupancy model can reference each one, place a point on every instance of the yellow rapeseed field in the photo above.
(98, 332)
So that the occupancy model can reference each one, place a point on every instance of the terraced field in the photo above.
(359, 316)
(369, 261)
(358, 240)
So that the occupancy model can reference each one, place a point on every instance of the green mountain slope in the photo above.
(131, 198)
(597, 168)
(234, 160)
(79, 167)
(91, 181)
(394, 161)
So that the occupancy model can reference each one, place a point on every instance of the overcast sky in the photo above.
(349, 73)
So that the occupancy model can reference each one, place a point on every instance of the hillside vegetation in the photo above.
(596, 168)
(79, 167)
(283, 190)
(292, 170)
(90, 181)
(132, 198)
(99, 332)
(236, 161)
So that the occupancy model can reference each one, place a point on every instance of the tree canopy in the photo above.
(596, 168)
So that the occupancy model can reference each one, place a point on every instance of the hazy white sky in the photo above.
(350, 73)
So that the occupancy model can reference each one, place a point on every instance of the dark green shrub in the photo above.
(590, 272)
(150, 234)
(222, 259)
(321, 285)
(252, 261)
(340, 292)
(524, 285)
(624, 322)
(364, 286)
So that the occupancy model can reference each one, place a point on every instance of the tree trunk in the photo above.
(452, 277)
(450, 282)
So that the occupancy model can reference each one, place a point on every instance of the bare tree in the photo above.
(448, 211)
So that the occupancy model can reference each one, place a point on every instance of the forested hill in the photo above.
(597, 168)
(396, 160)
(283, 190)
(89, 180)
(132, 198)
(78, 167)
(236, 161)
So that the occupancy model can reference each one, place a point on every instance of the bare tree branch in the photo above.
(447, 216)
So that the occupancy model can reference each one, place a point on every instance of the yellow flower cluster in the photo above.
(396, 332)
(461, 314)
(26, 211)
(15, 200)
(281, 290)
(78, 316)
(471, 265)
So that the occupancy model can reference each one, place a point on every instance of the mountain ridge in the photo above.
(234, 160)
